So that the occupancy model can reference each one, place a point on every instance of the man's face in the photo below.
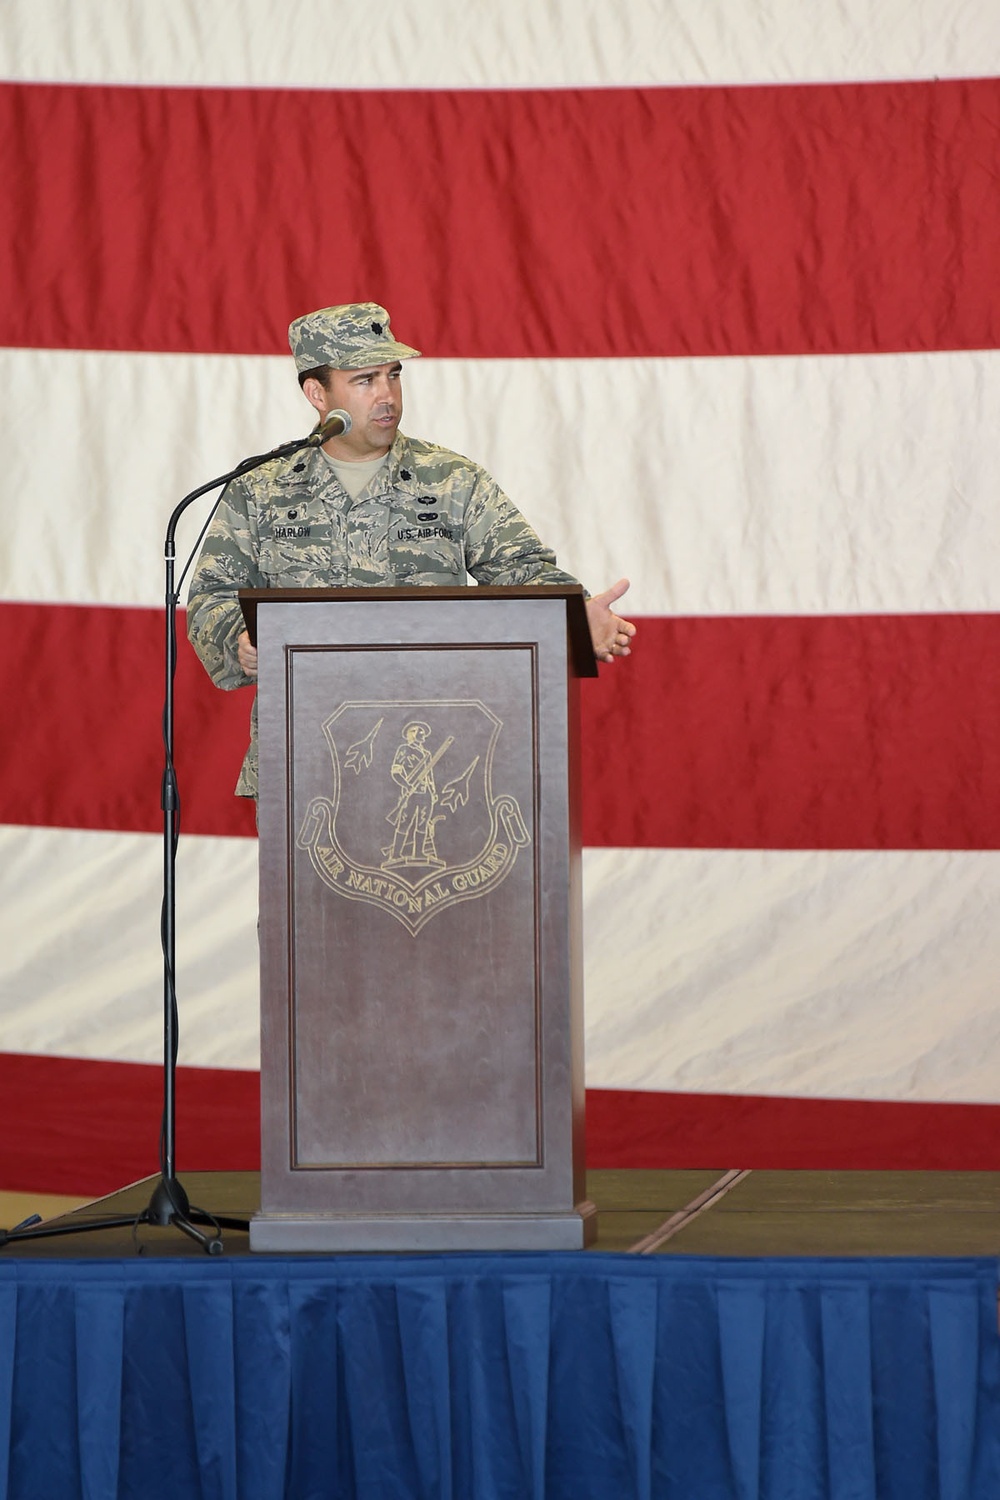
(373, 397)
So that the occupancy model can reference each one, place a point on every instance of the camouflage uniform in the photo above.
(429, 516)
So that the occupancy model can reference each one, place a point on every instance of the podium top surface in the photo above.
(584, 661)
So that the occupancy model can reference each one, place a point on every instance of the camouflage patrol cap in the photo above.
(350, 337)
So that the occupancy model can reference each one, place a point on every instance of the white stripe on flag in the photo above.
(519, 44)
(813, 974)
(81, 968)
(817, 974)
(719, 486)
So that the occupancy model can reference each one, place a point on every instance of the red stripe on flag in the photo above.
(626, 1128)
(808, 732)
(84, 690)
(832, 218)
(829, 732)
(70, 1125)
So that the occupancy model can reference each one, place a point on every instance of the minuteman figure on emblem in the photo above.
(413, 815)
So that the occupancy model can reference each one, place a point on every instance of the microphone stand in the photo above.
(169, 1204)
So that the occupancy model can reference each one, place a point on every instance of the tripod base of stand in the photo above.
(168, 1199)
(168, 1208)
(169, 1205)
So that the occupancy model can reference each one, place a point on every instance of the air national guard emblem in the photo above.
(413, 825)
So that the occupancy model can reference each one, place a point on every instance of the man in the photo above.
(371, 508)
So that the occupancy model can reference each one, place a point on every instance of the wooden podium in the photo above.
(420, 919)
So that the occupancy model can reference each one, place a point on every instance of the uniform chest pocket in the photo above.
(295, 555)
(426, 551)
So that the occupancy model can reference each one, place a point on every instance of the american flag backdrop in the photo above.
(712, 290)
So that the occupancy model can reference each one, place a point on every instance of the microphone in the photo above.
(332, 425)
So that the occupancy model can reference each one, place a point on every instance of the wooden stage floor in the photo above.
(713, 1212)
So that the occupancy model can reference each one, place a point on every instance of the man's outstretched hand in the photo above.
(610, 634)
